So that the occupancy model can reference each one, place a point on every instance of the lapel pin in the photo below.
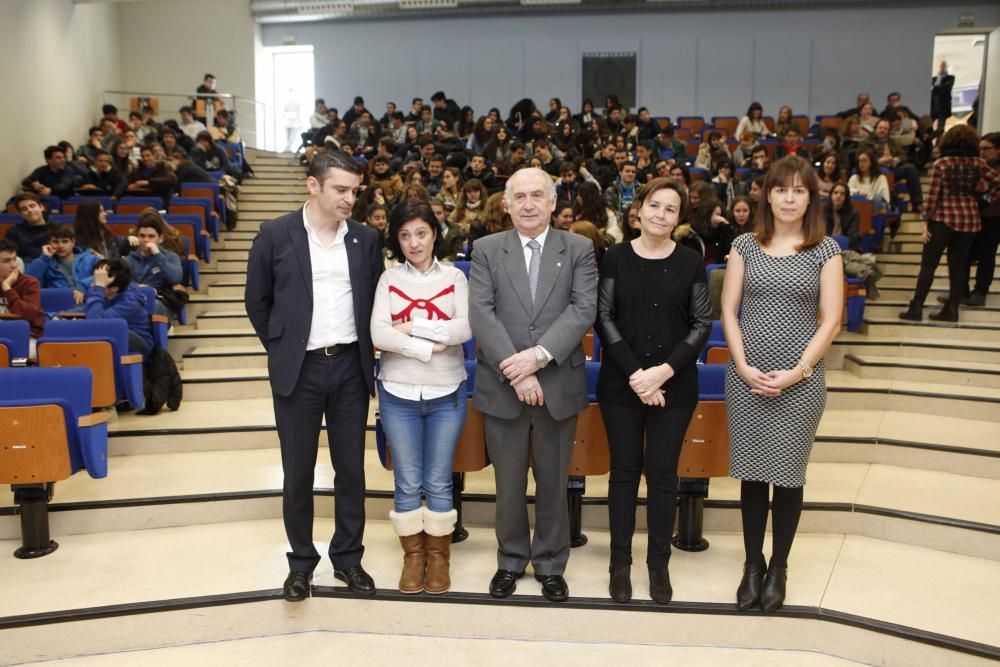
(355, 239)
(558, 263)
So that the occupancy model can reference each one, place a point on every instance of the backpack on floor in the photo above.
(161, 383)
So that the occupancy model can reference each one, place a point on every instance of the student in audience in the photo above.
(451, 188)
(741, 215)
(354, 113)
(958, 179)
(493, 220)
(103, 178)
(110, 113)
(189, 125)
(841, 218)
(748, 143)
(753, 122)
(828, 174)
(63, 263)
(698, 192)
(33, 233)
(183, 140)
(433, 174)
(144, 133)
(53, 178)
(760, 162)
(121, 158)
(78, 167)
(470, 204)
(156, 266)
(497, 149)
(92, 232)
(652, 333)
(152, 177)
(567, 186)
(517, 159)
(20, 294)
(168, 139)
(380, 175)
(891, 155)
(670, 149)
(791, 144)
(724, 183)
(187, 171)
(224, 128)
(867, 119)
(586, 114)
(862, 99)
(778, 327)
(783, 121)
(592, 206)
(95, 142)
(563, 216)
(113, 295)
(211, 157)
(679, 172)
(870, 182)
(623, 191)
(713, 228)
(419, 322)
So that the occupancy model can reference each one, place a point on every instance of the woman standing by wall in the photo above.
(781, 309)
(653, 317)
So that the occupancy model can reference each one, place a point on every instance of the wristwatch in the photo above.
(540, 357)
(807, 370)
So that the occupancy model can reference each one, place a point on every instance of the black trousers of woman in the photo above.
(662, 431)
(786, 508)
(958, 245)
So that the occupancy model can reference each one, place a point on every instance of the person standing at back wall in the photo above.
(311, 280)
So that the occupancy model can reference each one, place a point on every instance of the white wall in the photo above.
(58, 59)
(706, 63)
(989, 101)
(169, 46)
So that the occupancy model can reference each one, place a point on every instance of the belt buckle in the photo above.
(330, 350)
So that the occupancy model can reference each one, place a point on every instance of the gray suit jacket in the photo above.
(504, 320)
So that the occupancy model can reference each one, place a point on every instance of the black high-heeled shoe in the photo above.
(772, 595)
(748, 594)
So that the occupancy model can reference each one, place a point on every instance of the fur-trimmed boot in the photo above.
(409, 526)
(438, 527)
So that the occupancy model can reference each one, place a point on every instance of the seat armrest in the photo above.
(92, 419)
(131, 359)
(161, 319)
(72, 315)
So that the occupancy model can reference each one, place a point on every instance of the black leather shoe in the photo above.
(947, 314)
(748, 594)
(357, 580)
(504, 583)
(297, 586)
(554, 587)
(659, 585)
(772, 595)
(621, 583)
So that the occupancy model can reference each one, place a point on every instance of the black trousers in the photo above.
(333, 387)
(984, 253)
(958, 245)
(662, 431)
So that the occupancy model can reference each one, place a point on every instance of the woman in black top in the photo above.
(653, 317)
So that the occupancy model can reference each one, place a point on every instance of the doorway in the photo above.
(290, 90)
(957, 76)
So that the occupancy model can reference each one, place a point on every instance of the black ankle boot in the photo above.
(772, 595)
(914, 313)
(948, 314)
(748, 594)
(659, 585)
(621, 583)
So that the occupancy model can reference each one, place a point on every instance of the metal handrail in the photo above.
(147, 93)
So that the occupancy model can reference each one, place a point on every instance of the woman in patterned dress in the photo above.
(781, 310)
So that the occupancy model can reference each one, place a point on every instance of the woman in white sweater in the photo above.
(753, 122)
(419, 322)
(870, 182)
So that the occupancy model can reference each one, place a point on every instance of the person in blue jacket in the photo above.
(63, 263)
(112, 294)
(154, 265)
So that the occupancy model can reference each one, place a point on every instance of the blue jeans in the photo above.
(422, 436)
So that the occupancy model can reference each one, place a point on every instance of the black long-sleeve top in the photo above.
(649, 312)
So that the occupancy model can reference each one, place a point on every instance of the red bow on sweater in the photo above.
(433, 311)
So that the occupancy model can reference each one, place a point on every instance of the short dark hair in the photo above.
(628, 163)
(359, 100)
(319, 101)
(150, 219)
(109, 108)
(119, 272)
(99, 152)
(136, 115)
(417, 99)
(439, 96)
(27, 196)
(63, 232)
(52, 150)
(204, 135)
(517, 146)
(208, 75)
(404, 212)
(92, 130)
(540, 143)
(186, 109)
(324, 162)
(6, 245)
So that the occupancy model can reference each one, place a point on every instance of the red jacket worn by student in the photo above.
(24, 299)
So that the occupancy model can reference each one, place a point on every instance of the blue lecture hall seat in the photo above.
(14, 342)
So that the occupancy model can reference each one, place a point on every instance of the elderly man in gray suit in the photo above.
(532, 297)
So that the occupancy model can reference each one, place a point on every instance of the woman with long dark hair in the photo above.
(753, 122)
(840, 216)
(951, 218)
(91, 229)
(781, 309)
(497, 149)
(653, 317)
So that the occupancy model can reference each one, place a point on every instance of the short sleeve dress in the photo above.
(770, 439)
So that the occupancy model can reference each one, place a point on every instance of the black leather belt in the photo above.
(332, 350)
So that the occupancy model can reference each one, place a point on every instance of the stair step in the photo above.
(887, 309)
(225, 384)
(916, 369)
(241, 356)
(960, 331)
(846, 391)
(928, 348)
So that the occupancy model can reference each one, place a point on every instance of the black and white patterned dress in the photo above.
(770, 439)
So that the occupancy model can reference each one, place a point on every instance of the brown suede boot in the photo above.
(438, 527)
(409, 528)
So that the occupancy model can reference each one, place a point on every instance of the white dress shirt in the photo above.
(333, 300)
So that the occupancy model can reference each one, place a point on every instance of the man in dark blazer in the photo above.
(532, 297)
(941, 86)
(311, 280)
